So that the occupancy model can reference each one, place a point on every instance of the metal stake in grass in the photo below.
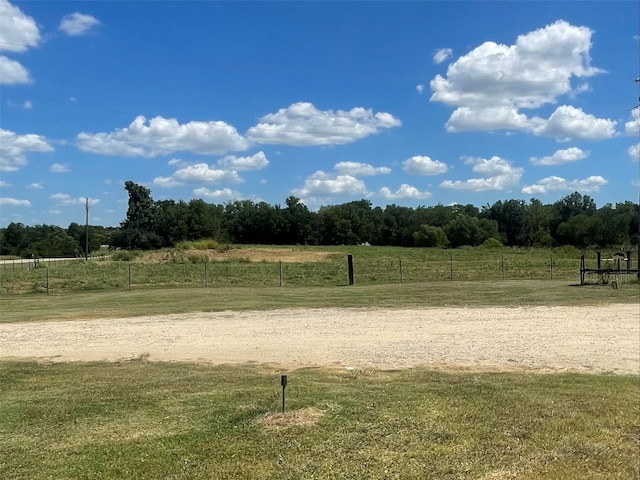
(283, 382)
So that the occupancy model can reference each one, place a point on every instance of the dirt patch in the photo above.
(286, 255)
(303, 416)
(583, 339)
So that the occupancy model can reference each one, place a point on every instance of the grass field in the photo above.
(257, 267)
(157, 301)
(147, 420)
(176, 421)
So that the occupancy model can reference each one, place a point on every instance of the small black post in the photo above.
(551, 266)
(350, 265)
(129, 275)
(629, 259)
(599, 257)
(283, 382)
(582, 268)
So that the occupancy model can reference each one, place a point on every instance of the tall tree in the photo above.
(298, 223)
(138, 230)
(510, 216)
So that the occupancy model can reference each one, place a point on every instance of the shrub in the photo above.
(124, 255)
(492, 243)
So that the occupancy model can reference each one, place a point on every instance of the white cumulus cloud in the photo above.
(534, 71)
(424, 165)
(465, 119)
(491, 84)
(302, 124)
(77, 24)
(162, 136)
(634, 152)
(12, 72)
(18, 31)
(441, 55)
(404, 192)
(321, 184)
(14, 202)
(59, 168)
(359, 169)
(496, 174)
(560, 157)
(569, 123)
(200, 173)
(559, 184)
(257, 161)
(64, 199)
(14, 147)
(221, 194)
(632, 127)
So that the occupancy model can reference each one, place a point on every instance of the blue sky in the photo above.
(414, 103)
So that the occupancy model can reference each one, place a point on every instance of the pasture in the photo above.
(261, 266)
(429, 378)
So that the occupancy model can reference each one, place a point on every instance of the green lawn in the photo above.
(153, 301)
(149, 421)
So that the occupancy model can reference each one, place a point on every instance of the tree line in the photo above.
(149, 224)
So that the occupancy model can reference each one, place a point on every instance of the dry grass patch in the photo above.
(245, 254)
(285, 255)
(303, 416)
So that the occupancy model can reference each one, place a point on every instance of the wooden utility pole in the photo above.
(86, 232)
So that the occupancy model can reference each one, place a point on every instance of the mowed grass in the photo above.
(147, 420)
(160, 301)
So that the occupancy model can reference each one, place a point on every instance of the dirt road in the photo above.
(584, 339)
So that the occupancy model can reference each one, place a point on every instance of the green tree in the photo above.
(138, 230)
(297, 223)
(14, 239)
(53, 241)
(79, 234)
(510, 217)
(537, 221)
(472, 231)
(430, 236)
(397, 226)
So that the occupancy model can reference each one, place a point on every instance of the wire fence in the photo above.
(18, 264)
(57, 276)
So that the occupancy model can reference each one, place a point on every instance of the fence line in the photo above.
(31, 263)
(63, 275)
